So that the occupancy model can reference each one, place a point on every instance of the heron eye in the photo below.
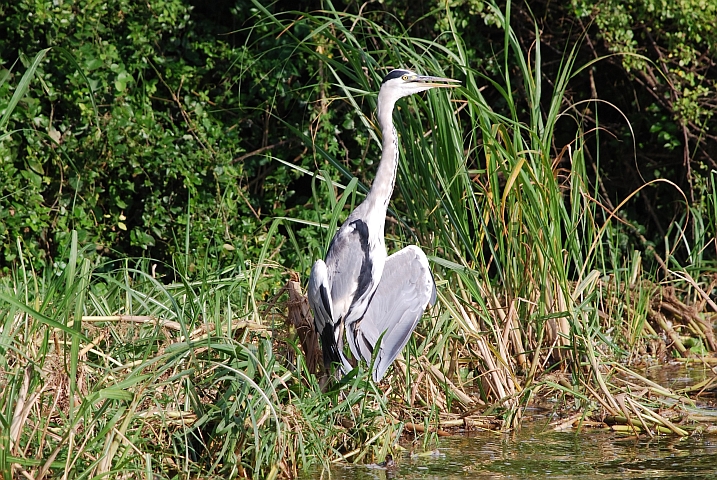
(404, 78)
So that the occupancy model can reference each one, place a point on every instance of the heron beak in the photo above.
(439, 82)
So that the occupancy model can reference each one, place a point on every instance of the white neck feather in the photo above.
(382, 187)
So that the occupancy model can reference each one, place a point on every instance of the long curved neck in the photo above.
(382, 187)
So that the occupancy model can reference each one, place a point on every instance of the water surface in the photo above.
(536, 452)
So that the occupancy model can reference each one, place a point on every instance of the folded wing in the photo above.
(405, 290)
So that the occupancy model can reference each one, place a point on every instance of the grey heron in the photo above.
(358, 288)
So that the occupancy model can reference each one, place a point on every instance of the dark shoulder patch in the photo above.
(394, 74)
(362, 230)
(365, 279)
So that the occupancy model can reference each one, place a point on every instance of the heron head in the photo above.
(401, 83)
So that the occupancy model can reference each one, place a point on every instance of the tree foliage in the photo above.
(668, 50)
(148, 124)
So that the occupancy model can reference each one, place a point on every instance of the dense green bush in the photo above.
(130, 130)
(667, 50)
(139, 128)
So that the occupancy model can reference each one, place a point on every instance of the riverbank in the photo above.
(110, 369)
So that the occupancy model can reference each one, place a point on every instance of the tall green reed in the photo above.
(115, 370)
(522, 246)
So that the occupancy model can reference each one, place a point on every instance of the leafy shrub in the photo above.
(142, 127)
(130, 130)
(668, 49)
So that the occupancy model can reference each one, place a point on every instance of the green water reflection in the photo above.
(534, 453)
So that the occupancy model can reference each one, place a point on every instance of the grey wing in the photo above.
(351, 269)
(329, 330)
(405, 290)
(319, 293)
